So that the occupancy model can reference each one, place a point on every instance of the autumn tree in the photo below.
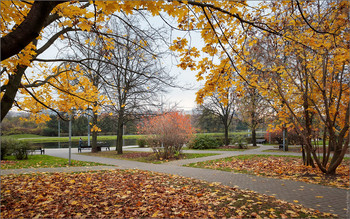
(305, 74)
(314, 34)
(87, 52)
(136, 77)
(222, 105)
(25, 22)
(206, 121)
(166, 133)
(252, 109)
(311, 80)
(37, 85)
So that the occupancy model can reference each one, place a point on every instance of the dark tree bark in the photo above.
(28, 30)
(94, 148)
(14, 83)
(120, 126)
(226, 126)
(253, 136)
(11, 91)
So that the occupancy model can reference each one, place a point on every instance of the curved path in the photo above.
(333, 200)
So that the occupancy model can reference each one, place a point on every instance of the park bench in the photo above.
(83, 147)
(260, 141)
(39, 149)
(100, 145)
(242, 145)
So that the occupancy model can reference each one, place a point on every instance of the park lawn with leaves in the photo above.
(134, 193)
(226, 148)
(147, 157)
(43, 139)
(42, 161)
(283, 167)
(295, 149)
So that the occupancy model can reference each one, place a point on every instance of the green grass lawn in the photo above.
(147, 157)
(18, 136)
(42, 161)
(41, 139)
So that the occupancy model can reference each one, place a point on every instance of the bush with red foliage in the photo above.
(166, 133)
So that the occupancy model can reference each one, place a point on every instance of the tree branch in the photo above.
(28, 30)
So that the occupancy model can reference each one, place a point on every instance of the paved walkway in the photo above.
(334, 200)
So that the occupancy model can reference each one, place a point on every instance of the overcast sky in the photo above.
(184, 98)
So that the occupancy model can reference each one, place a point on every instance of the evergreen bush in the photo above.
(204, 142)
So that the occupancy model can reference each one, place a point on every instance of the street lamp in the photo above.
(59, 131)
(88, 110)
(70, 138)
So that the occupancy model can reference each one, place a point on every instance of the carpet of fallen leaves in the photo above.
(136, 155)
(297, 149)
(281, 167)
(134, 193)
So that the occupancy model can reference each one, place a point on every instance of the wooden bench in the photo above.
(100, 145)
(99, 148)
(260, 141)
(39, 149)
(83, 147)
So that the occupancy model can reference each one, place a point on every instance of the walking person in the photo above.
(80, 144)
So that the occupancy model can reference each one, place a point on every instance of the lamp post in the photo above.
(88, 110)
(70, 138)
(59, 131)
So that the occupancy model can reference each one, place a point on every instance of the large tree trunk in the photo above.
(94, 148)
(11, 91)
(253, 136)
(120, 127)
(120, 139)
(227, 140)
(28, 30)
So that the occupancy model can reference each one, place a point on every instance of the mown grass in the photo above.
(42, 161)
(146, 157)
(41, 139)
(19, 136)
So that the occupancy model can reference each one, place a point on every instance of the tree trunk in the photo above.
(94, 148)
(11, 91)
(28, 30)
(227, 140)
(286, 139)
(303, 154)
(120, 126)
(120, 139)
(253, 136)
(309, 160)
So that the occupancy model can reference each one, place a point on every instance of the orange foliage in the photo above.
(167, 132)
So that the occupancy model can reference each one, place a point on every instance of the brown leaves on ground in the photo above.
(134, 193)
(281, 167)
(8, 162)
(136, 155)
